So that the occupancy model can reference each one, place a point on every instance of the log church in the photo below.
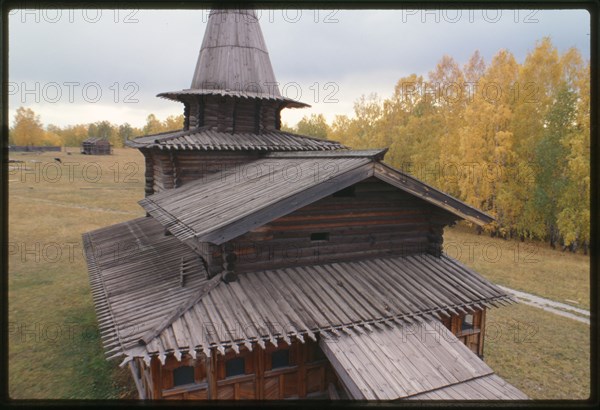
(272, 265)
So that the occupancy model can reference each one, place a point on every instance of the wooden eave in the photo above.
(184, 95)
(206, 139)
(430, 194)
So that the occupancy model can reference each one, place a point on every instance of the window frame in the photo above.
(319, 237)
(243, 364)
(280, 351)
(180, 368)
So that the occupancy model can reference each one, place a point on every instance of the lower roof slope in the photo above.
(489, 387)
(144, 310)
(425, 361)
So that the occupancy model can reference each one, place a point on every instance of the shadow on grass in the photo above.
(94, 377)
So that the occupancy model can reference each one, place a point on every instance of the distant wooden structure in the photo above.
(96, 146)
(276, 266)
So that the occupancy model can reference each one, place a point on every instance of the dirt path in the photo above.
(557, 308)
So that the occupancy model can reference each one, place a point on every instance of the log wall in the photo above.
(226, 114)
(168, 169)
(308, 375)
(378, 220)
(474, 337)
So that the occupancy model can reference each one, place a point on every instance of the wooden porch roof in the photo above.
(237, 200)
(423, 361)
(206, 139)
(143, 309)
(489, 387)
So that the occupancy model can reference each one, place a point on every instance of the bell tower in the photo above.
(234, 89)
(232, 110)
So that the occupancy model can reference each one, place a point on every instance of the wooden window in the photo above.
(183, 375)
(280, 358)
(235, 367)
(467, 323)
(346, 192)
(319, 236)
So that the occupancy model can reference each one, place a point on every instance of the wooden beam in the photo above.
(133, 366)
(333, 394)
(180, 310)
(211, 375)
(353, 390)
(428, 193)
(155, 371)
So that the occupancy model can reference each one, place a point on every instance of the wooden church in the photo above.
(272, 265)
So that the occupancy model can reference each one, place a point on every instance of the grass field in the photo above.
(532, 267)
(54, 348)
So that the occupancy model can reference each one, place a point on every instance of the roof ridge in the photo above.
(375, 154)
(306, 136)
(472, 214)
(180, 310)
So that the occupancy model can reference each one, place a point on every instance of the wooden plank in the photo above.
(395, 384)
(282, 305)
(403, 370)
(346, 373)
(181, 309)
(430, 194)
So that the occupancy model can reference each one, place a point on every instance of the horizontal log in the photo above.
(334, 258)
(338, 234)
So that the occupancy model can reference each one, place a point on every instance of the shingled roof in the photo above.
(153, 296)
(413, 362)
(207, 139)
(234, 61)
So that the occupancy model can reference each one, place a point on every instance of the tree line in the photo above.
(509, 138)
(512, 139)
(28, 130)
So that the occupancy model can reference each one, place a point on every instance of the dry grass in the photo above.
(54, 349)
(528, 266)
(546, 356)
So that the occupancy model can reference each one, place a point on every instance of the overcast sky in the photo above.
(78, 66)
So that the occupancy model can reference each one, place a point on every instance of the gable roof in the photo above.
(144, 310)
(206, 139)
(232, 202)
(96, 140)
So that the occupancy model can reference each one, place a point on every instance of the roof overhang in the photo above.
(430, 194)
(209, 139)
(185, 95)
